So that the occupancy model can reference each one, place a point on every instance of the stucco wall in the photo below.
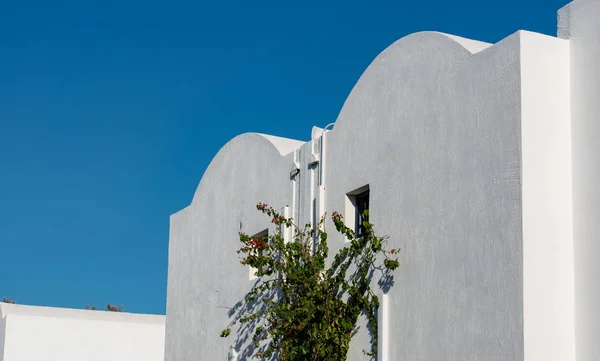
(2, 335)
(439, 135)
(51, 334)
(205, 277)
(548, 273)
(579, 22)
(466, 149)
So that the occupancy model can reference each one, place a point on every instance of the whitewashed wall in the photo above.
(467, 150)
(29, 333)
(579, 23)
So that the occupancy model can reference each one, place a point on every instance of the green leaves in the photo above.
(391, 264)
(317, 307)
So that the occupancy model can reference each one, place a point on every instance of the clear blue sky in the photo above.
(110, 111)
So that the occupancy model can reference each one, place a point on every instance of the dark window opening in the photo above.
(264, 235)
(361, 204)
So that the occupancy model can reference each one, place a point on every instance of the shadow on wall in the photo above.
(243, 347)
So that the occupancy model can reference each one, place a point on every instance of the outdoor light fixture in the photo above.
(314, 160)
(295, 169)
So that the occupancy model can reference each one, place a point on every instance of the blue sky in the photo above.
(111, 111)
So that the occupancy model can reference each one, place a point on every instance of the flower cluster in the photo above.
(336, 217)
(262, 206)
(280, 219)
(256, 244)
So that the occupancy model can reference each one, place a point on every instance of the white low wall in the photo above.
(29, 333)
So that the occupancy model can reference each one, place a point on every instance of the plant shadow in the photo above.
(243, 344)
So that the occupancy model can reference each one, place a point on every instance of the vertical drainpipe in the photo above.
(285, 231)
(322, 177)
(313, 173)
(295, 179)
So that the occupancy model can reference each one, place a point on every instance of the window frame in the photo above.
(252, 270)
(357, 201)
(361, 203)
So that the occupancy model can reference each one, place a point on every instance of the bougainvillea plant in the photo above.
(317, 306)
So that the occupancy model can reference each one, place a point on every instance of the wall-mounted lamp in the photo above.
(295, 169)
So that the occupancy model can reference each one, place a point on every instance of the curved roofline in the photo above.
(473, 46)
(285, 146)
(282, 146)
(449, 44)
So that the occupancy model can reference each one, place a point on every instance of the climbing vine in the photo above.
(301, 308)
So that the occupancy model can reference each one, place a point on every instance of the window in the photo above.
(357, 202)
(361, 204)
(264, 234)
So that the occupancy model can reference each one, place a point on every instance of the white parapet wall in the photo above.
(30, 333)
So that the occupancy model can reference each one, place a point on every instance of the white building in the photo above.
(482, 163)
(29, 333)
